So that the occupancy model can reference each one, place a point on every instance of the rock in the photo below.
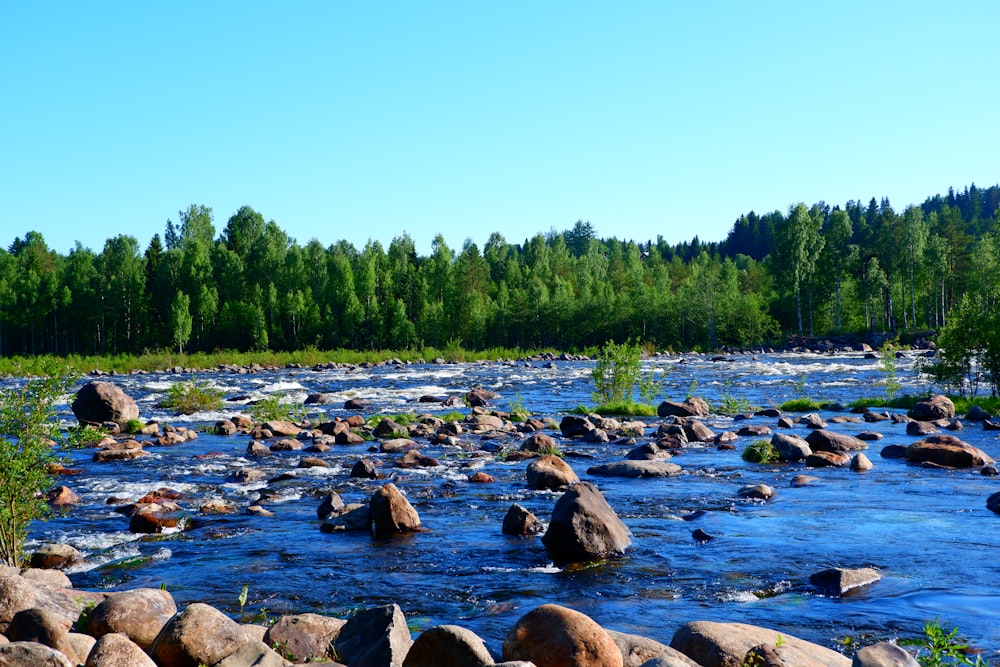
(803, 480)
(869, 436)
(481, 477)
(304, 637)
(756, 492)
(538, 442)
(352, 517)
(62, 496)
(696, 431)
(38, 625)
(257, 449)
(949, 451)
(584, 527)
(812, 420)
(282, 428)
(397, 445)
(832, 441)
(225, 427)
(647, 452)
(977, 414)
(117, 650)
(155, 518)
(319, 399)
(893, 452)
(713, 644)
(55, 557)
(198, 635)
(936, 407)
(692, 407)
(364, 469)
(392, 513)
(993, 502)
(31, 654)
(861, 463)
(348, 437)
(287, 445)
(519, 521)
(254, 654)
(550, 473)
(98, 402)
(790, 447)
(883, 654)
(837, 581)
(920, 428)
(138, 614)
(753, 430)
(375, 637)
(637, 650)
(827, 460)
(414, 459)
(555, 636)
(330, 503)
(218, 506)
(389, 428)
(779, 655)
(312, 462)
(636, 469)
(573, 426)
(358, 405)
(448, 646)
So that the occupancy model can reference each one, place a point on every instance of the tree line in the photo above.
(810, 270)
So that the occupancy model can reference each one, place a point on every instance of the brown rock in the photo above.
(198, 635)
(415, 459)
(282, 428)
(936, 407)
(138, 614)
(375, 637)
(55, 556)
(117, 650)
(584, 527)
(550, 472)
(392, 513)
(713, 644)
(947, 450)
(98, 402)
(555, 636)
(31, 654)
(519, 521)
(832, 441)
(305, 637)
(448, 646)
(838, 581)
(827, 460)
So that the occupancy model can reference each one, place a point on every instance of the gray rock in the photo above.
(756, 492)
(31, 654)
(638, 651)
(198, 635)
(550, 473)
(584, 527)
(392, 513)
(838, 581)
(713, 644)
(98, 402)
(375, 637)
(117, 650)
(936, 407)
(254, 654)
(636, 469)
(304, 637)
(448, 646)
(790, 447)
(831, 441)
(519, 521)
(883, 654)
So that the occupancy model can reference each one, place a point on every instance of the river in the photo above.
(926, 530)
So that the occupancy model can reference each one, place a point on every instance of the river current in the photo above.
(927, 531)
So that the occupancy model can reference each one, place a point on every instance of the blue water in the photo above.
(927, 531)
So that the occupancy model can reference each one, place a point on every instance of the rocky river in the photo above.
(700, 550)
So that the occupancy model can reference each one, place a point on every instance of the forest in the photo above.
(811, 270)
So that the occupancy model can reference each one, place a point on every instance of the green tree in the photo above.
(914, 239)
(180, 321)
(27, 430)
(798, 244)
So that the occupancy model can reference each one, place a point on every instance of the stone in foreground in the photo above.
(584, 527)
(556, 636)
(712, 644)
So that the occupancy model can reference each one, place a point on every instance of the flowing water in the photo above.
(927, 531)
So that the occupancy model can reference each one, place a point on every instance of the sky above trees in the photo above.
(357, 121)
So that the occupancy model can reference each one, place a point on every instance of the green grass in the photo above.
(190, 397)
(800, 405)
(618, 408)
(273, 408)
(761, 451)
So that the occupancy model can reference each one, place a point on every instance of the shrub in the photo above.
(273, 408)
(27, 431)
(800, 405)
(761, 451)
(616, 372)
(190, 397)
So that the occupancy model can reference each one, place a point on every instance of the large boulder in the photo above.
(584, 527)
(822, 440)
(392, 513)
(520, 521)
(790, 447)
(636, 469)
(948, 451)
(933, 408)
(712, 644)
(139, 614)
(99, 402)
(551, 473)
(556, 636)
(883, 654)
(838, 581)
(375, 637)
(33, 654)
(199, 635)
(692, 407)
(448, 646)
(117, 650)
(638, 651)
(304, 637)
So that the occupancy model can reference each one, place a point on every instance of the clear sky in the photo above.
(365, 120)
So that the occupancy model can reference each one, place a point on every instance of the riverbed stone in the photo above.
(696, 431)
(993, 502)
(833, 441)
(32, 654)
(883, 654)
(949, 451)
(364, 468)
(838, 581)
(416, 459)
(935, 407)
(712, 644)
(828, 459)
(282, 428)
(920, 428)
(351, 517)
(392, 513)
(139, 614)
(861, 463)
(538, 442)
(638, 651)
(556, 636)
(635, 469)
(198, 635)
(520, 521)
(305, 637)
(779, 655)
(55, 556)
(38, 625)
(254, 654)
(790, 447)
(692, 407)
(117, 650)
(583, 527)
(448, 646)
(98, 402)
(377, 637)
(551, 473)
(756, 492)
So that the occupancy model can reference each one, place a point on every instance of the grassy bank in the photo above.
(160, 360)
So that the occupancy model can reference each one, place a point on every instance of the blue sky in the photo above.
(363, 121)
